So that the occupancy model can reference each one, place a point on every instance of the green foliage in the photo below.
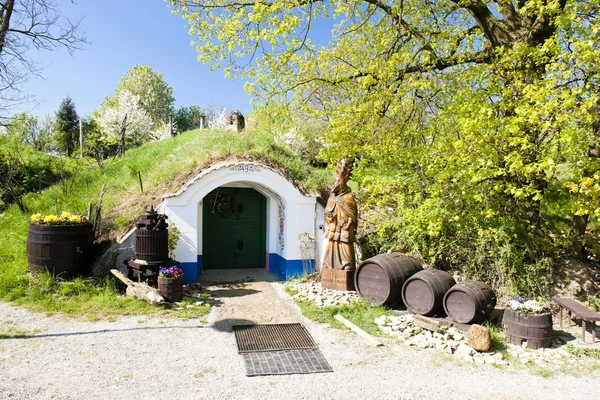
(96, 144)
(469, 121)
(188, 118)
(156, 96)
(360, 314)
(593, 301)
(499, 342)
(66, 127)
(174, 236)
(27, 129)
(24, 170)
(578, 351)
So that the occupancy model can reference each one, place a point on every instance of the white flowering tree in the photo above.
(126, 114)
(218, 121)
(155, 95)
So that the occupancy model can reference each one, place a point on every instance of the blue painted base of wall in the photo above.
(191, 270)
(289, 269)
(284, 269)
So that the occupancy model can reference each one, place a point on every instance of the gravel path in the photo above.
(150, 358)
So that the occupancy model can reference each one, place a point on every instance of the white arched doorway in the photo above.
(289, 213)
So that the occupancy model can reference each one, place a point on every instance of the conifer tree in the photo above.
(66, 133)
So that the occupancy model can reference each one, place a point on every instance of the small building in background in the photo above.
(236, 121)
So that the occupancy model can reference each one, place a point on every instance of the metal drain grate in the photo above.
(285, 362)
(252, 338)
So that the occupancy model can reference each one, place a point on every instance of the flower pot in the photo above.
(535, 329)
(171, 288)
(61, 249)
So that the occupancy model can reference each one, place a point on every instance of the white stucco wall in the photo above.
(302, 213)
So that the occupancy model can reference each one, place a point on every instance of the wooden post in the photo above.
(80, 139)
(372, 341)
(96, 225)
(122, 141)
(141, 185)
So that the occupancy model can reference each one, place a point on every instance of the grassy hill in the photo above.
(164, 167)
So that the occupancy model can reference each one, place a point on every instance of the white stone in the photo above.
(468, 358)
(452, 344)
(458, 336)
(464, 349)
(407, 333)
(489, 359)
(478, 360)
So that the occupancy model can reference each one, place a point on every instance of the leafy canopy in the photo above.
(155, 95)
(475, 123)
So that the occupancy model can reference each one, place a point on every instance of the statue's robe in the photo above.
(341, 215)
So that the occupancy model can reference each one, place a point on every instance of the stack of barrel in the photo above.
(392, 279)
(151, 247)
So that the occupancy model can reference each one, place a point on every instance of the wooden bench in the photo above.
(582, 312)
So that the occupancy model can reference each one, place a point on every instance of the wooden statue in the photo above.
(341, 215)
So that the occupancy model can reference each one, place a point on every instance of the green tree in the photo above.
(156, 96)
(475, 123)
(188, 118)
(96, 143)
(27, 129)
(66, 133)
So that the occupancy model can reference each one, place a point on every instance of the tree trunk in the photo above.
(5, 14)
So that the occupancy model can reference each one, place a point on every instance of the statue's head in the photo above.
(343, 172)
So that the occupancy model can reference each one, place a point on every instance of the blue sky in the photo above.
(125, 33)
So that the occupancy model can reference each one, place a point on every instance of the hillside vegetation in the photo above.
(164, 167)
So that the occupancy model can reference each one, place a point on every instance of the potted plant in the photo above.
(529, 321)
(170, 283)
(59, 243)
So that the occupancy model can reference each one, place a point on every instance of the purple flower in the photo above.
(171, 272)
(521, 299)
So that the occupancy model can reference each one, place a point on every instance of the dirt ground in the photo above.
(54, 357)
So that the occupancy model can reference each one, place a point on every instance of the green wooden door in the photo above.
(234, 229)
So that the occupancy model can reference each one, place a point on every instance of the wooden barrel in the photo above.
(379, 279)
(535, 329)
(171, 288)
(152, 245)
(423, 293)
(469, 302)
(61, 249)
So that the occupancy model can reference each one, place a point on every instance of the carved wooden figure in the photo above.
(341, 215)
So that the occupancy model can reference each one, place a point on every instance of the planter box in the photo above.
(61, 249)
(536, 329)
(171, 288)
